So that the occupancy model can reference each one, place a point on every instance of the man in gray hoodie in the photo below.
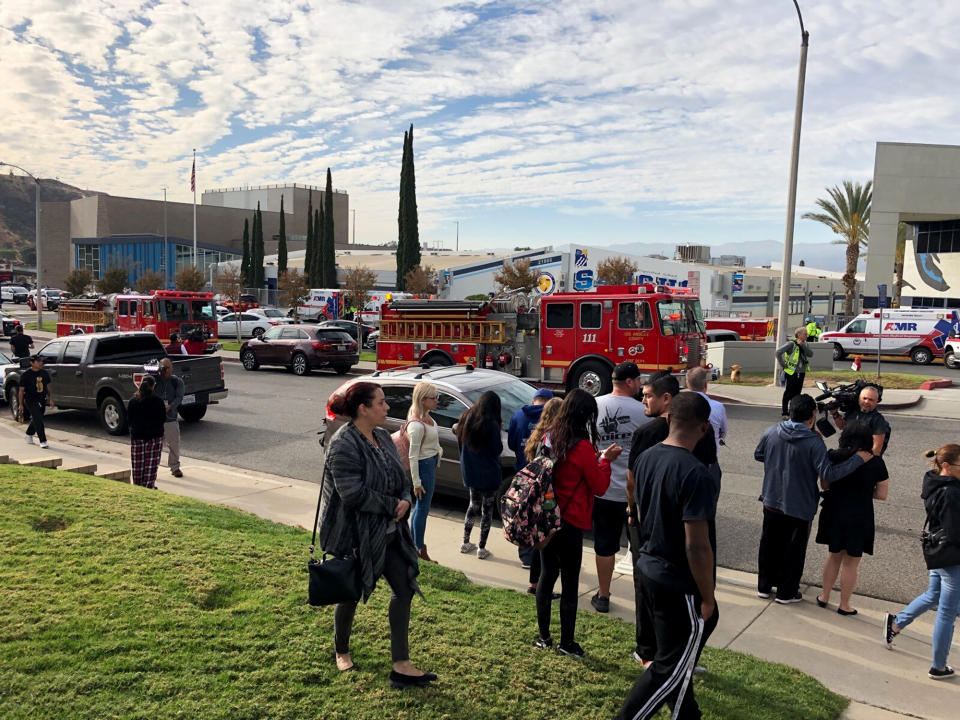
(793, 455)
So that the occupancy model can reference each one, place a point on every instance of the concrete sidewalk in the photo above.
(844, 653)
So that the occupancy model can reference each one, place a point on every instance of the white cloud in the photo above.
(607, 108)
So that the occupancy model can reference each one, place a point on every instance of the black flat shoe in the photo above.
(399, 681)
(846, 612)
(820, 603)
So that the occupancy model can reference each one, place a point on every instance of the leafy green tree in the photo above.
(408, 240)
(282, 243)
(616, 271)
(114, 280)
(245, 262)
(314, 273)
(847, 214)
(328, 260)
(77, 281)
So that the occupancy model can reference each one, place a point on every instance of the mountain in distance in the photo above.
(17, 213)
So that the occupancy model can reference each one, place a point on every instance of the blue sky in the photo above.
(597, 121)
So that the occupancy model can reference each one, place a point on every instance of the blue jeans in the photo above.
(418, 519)
(944, 590)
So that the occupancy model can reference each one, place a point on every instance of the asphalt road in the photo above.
(271, 419)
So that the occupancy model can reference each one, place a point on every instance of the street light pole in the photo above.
(37, 237)
(166, 252)
(458, 234)
(354, 226)
(782, 330)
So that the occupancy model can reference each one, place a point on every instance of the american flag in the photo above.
(193, 176)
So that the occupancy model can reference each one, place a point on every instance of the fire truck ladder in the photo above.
(440, 321)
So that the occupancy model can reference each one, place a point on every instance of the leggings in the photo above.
(561, 558)
(481, 503)
(395, 573)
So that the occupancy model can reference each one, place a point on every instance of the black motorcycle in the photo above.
(844, 398)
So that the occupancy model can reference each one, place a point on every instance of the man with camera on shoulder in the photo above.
(868, 414)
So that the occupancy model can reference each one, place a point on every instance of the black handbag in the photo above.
(938, 550)
(333, 580)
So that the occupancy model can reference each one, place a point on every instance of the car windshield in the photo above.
(4, 360)
(514, 394)
(674, 317)
(203, 310)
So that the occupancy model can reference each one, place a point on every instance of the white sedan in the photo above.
(278, 317)
(250, 325)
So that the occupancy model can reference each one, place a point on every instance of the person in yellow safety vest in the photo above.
(813, 330)
(793, 359)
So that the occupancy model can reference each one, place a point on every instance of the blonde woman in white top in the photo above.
(425, 454)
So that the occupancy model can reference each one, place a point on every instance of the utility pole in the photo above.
(164, 265)
(458, 234)
(782, 330)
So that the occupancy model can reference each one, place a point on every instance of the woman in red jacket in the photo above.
(578, 476)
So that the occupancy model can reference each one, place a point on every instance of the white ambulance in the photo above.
(321, 304)
(919, 334)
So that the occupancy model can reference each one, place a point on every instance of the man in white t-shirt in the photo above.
(619, 415)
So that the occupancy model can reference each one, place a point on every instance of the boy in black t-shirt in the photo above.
(34, 396)
(676, 504)
(20, 344)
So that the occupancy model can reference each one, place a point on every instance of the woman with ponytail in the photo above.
(146, 415)
(846, 516)
(941, 550)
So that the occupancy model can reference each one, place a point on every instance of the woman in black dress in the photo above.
(846, 515)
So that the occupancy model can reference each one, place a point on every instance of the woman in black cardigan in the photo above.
(366, 503)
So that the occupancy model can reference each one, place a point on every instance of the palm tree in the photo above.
(847, 213)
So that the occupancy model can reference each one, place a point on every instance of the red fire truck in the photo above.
(755, 329)
(573, 339)
(191, 314)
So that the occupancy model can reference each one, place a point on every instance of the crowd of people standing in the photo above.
(644, 458)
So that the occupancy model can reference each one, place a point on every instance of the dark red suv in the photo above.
(301, 348)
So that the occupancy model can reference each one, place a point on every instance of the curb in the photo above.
(938, 383)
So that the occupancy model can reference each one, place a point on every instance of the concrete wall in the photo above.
(56, 252)
(911, 183)
(759, 356)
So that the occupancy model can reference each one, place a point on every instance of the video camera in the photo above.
(843, 398)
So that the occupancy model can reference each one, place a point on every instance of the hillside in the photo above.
(17, 203)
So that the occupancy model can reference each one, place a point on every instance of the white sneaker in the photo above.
(44, 445)
(467, 547)
(483, 553)
(29, 439)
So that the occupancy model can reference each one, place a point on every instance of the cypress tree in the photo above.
(315, 275)
(408, 243)
(401, 239)
(308, 254)
(245, 262)
(329, 257)
(282, 244)
(258, 250)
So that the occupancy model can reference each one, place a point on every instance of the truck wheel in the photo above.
(341, 368)
(838, 352)
(13, 401)
(437, 359)
(193, 413)
(113, 415)
(921, 356)
(299, 364)
(950, 360)
(594, 377)
(249, 360)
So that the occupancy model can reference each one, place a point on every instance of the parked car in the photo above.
(277, 316)
(460, 386)
(372, 339)
(7, 324)
(250, 325)
(98, 372)
(349, 327)
(50, 298)
(301, 348)
(14, 293)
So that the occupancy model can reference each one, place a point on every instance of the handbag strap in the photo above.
(316, 518)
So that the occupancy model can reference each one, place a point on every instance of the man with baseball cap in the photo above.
(34, 395)
(619, 415)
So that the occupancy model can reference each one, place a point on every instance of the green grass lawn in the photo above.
(230, 345)
(902, 381)
(121, 602)
(48, 325)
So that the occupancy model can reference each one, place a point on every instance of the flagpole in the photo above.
(193, 184)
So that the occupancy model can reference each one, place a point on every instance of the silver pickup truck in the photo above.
(101, 371)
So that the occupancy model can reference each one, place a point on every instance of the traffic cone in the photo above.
(855, 366)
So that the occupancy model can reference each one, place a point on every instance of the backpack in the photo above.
(528, 507)
(402, 442)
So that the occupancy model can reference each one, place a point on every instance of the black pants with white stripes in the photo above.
(680, 632)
